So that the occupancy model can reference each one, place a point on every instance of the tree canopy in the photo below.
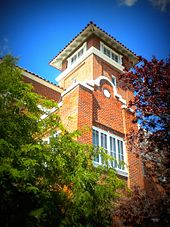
(54, 184)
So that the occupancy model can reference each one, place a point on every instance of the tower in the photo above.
(93, 100)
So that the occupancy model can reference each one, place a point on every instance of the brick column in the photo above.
(134, 163)
(85, 114)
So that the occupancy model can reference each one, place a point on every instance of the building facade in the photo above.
(91, 97)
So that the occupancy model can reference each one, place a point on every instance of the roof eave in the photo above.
(82, 36)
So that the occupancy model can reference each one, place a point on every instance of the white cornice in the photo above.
(72, 87)
(91, 50)
(130, 109)
(119, 97)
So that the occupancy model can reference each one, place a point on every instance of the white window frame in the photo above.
(75, 55)
(120, 171)
(102, 46)
(46, 111)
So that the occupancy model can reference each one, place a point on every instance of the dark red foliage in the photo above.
(150, 81)
(142, 209)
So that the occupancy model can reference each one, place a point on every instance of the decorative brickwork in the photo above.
(107, 111)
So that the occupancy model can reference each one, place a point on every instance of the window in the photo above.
(74, 80)
(48, 139)
(120, 154)
(96, 143)
(114, 146)
(113, 151)
(114, 80)
(110, 53)
(77, 55)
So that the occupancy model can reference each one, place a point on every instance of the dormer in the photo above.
(76, 60)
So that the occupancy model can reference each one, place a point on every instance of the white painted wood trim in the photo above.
(73, 86)
(41, 81)
(119, 171)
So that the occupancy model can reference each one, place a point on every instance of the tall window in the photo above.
(110, 53)
(96, 143)
(113, 151)
(120, 154)
(114, 146)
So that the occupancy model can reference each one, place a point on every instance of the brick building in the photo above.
(90, 95)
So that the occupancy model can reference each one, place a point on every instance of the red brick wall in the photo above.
(43, 90)
(69, 110)
(107, 111)
(134, 163)
(93, 41)
(85, 114)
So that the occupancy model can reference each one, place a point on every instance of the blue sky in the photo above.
(36, 30)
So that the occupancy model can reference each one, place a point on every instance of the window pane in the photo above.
(96, 143)
(107, 52)
(104, 140)
(113, 56)
(116, 58)
(120, 154)
(73, 59)
(80, 53)
(113, 151)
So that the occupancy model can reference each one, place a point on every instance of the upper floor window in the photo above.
(110, 53)
(77, 54)
(114, 146)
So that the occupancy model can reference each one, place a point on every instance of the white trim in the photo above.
(125, 107)
(60, 104)
(46, 110)
(119, 97)
(113, 77)
(41, 81)
(119, 171)
(73, 86)
(98, 80)
(91, 50)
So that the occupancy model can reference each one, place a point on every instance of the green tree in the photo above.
(53, 184)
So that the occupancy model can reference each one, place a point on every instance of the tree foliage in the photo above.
(41, 184)
(151, 84)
